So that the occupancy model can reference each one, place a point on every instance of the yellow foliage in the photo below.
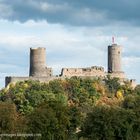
(26, 85)
(108, 101)
(11, 85)
(100, 88)
(119, 94)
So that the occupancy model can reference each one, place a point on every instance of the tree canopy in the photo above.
(72, 108)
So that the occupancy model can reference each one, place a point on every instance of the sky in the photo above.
(75, 33)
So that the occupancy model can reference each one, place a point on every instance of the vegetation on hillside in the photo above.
(71, 109)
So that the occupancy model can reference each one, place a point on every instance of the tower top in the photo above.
(38, 48)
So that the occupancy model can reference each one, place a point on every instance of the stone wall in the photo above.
(17, 79)
(80, 72)
(120, 75)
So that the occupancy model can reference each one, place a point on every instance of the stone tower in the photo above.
(114, 58)
(38, 63)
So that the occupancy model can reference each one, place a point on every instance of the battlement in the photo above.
(99, 68)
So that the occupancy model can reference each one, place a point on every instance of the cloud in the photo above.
(5, 11)
(66, 46)
(72, 12)
(76, 33)
(131, 67)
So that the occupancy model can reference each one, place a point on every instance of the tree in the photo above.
(132, 102)
(127, 88)
(113, 84)
(8, 117)
(51, 120)
(137, 90)
(76, 120)
(105, 123)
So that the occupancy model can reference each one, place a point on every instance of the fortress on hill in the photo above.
(39, 71)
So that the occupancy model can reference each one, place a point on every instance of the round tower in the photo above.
(114, 58)
(37, 62)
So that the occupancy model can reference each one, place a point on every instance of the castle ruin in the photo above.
(39, 71)
(114, 66)
(94, 71)
(38, 63)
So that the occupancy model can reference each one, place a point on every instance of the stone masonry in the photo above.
(39, 71)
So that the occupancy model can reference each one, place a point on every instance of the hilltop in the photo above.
(71, 108)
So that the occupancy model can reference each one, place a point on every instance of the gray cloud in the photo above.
(74, 12)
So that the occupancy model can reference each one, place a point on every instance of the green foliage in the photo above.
(105, 123)
(51, 120)
(75, 118)
(137, 90)
(81, 91)
(30, 94)
(112, 84)
(127, 88)
(131, 102)
(65, 109)
(56, 86)
(8, 117)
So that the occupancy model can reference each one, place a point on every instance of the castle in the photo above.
(39, 71)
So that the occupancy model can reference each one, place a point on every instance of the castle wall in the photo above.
(120, 75)
(10, 79)
(80, 72)
(14, 80)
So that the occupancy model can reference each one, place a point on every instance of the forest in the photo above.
(70, 109)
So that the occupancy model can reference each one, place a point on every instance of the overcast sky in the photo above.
(76, 33)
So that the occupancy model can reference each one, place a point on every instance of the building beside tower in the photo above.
(38, 69)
